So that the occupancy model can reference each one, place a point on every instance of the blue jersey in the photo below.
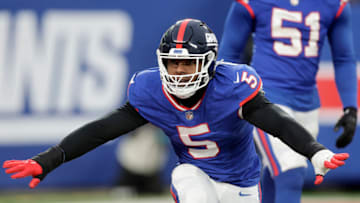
(210, 135)
(288, 37)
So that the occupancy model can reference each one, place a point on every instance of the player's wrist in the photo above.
(351, 111)
(49, 160)
(313, 148)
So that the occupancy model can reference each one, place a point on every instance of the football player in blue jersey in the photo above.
(206, 110)
(288, 36)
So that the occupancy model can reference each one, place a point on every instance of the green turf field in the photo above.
(121, 196)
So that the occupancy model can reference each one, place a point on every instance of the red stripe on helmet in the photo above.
(180, 35)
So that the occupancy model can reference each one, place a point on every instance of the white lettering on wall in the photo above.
(70, 60)
(56, 64)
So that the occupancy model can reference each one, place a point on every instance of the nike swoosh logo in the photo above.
(243, 195)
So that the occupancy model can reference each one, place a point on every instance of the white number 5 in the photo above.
(249, 79)
(211, 149)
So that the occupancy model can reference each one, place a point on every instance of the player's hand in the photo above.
(348, 122)
(324, 160)
(24, 168)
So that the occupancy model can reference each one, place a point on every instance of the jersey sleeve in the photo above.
(343, 4)
(138, 90)
(342, 49)
(249, 86)
(145, 93)
(237, 29)
(131, 91)
(240, 81)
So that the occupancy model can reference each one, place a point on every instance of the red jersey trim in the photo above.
(252, 95)
(247, 6)
(342, 6)
(179, 107)
(266, 146)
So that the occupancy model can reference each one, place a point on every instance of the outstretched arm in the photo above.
(77, 143)
(270, 118)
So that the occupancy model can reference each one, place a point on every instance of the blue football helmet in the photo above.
(187, 39)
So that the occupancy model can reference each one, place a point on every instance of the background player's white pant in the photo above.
(277, 156)
(191, 185)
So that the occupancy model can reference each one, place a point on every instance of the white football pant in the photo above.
(276, 155)
(192, 185)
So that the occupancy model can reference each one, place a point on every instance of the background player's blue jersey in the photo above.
(289, 35)
(211, 134)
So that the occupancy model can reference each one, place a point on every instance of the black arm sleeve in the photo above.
(90, 136)
(267, 116)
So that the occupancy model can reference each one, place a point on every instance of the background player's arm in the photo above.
(79, 142)
(343, 54)
(237, 29)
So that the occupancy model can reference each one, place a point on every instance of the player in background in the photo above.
(207, 114)
(288, 37)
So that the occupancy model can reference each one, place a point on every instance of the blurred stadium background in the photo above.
(64, 63)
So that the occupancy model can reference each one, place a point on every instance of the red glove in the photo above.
(24, 168)
(324, 160)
